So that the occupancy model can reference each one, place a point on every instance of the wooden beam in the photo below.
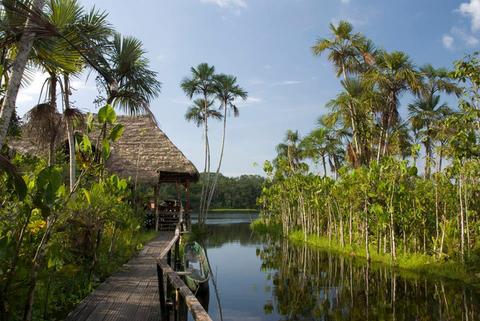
(156, 192)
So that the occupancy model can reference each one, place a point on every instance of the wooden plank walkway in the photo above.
(130, 294)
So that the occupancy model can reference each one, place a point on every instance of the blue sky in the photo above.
(266, 44)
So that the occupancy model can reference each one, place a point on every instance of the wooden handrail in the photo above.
(164, 269)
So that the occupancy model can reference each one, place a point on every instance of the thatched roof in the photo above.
(143, 153)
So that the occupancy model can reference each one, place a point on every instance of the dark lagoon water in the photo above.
(260, 278)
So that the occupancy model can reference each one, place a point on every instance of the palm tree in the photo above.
(24, 46)
(227, 91)
(351, 53)
(425, 113)
(343, 48)
(291, 150)
(202, 82)
(314, 146)
(394, 74)
(196, 112)
(130, 85)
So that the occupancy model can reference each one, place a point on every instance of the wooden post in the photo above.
(161, 292)
(155, 192)
(187, 196)
(179, 199)
(177, 255)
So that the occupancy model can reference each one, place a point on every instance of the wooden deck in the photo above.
(130, 294)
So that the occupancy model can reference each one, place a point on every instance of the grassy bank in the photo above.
(418, 263)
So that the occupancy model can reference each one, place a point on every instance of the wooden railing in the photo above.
(170, 282)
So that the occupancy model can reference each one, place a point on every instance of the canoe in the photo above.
(196, 266)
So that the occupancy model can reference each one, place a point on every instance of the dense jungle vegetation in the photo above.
(65, 223)
(231, 192)
(392, 171)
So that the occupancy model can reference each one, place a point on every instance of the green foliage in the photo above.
(378, 204)
(64, 242)
(231, 192)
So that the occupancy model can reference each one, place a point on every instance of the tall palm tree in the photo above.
(394, 74)
(291, 150)
(202, 83)
(351, 53)
(356, 96)
(24, 46)
(314, 146)
(196, 113)
(227, 91)
(425, 113)
(129, 83)
(343, 48)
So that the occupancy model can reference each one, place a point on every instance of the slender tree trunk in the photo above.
(53, 106)
(367, 248)
(71, 138)
(324, 166)
(217, 173)
(462, 230)
(24, 46)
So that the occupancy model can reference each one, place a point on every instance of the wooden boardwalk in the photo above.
(130, 294)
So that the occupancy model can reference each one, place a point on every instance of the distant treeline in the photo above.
(231, 192)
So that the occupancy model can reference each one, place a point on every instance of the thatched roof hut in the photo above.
(143, 153)
(147, 155)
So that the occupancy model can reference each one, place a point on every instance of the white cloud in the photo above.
(461, 37)
(227, 3)
(345, 1)
(448, 41)
(250, 101)
(468, 39)
(287, 83)
(472, 10)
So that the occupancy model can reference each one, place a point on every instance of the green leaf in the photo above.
(116, 132)
(107, 114)
(105, 149)
(88, 198)
(86, 144)
(15, 179)
(90, 120)
(48, 183)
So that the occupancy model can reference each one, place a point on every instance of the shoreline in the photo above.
(229, 210)
(416, 263)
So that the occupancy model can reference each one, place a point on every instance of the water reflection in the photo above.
(314, 285)
(261, 278)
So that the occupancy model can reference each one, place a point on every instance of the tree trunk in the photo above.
(462, 230)
(53, 106)
(24, 46)
(367, 249)
(71, 138)
(217, 173)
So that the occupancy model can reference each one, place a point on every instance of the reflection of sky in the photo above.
(243, 288)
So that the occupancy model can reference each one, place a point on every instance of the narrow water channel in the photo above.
(260, 278)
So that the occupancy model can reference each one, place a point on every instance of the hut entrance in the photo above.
(169, 212)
